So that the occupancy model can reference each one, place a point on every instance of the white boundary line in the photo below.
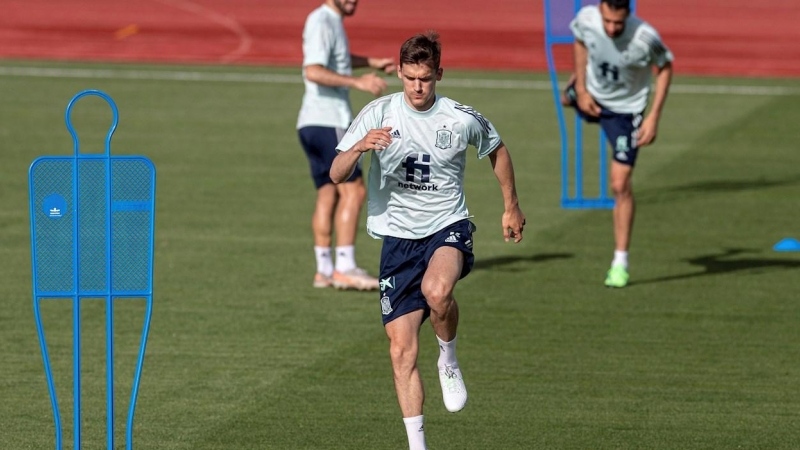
(232, 77)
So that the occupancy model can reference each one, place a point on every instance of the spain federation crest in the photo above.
(386, 306)
(444, 139)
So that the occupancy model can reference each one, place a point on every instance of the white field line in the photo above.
(232, 77)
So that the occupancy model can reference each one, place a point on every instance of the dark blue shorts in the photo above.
(621, 129)
(320, 143)
(404, 262)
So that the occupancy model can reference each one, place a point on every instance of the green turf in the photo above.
(700, 351)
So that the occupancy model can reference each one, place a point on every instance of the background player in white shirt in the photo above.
(614, 58)
(324, 116)
(417, 206)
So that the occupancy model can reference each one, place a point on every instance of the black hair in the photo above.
(618, 4)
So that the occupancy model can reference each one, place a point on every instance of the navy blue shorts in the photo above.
(320, 143)
(404, 262)
(621, 129)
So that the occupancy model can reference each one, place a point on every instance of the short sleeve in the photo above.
(659, 54)
(317, 42)
(480, 131)
(369, 118)
(580, 23)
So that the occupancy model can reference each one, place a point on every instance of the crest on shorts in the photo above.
(444, 139)
(386, 306)
(622, 144)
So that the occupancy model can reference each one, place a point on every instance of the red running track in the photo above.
(719, 37)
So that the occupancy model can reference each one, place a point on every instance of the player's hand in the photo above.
(647, 132)
(387, 65)
(377, 139)
(390, 69)
(587, 104)
(513, 223)
(371, 83)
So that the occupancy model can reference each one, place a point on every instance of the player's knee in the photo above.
(622, 187)
(403, 355)
(438, 295)
(355, 191)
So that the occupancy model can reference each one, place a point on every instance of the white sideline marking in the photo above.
(232, 77)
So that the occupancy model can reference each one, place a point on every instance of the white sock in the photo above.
(447, 352)
(324, 260)
(345, 258)
(620, 257)
(416, 433)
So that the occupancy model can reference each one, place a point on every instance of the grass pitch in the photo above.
(700, 351)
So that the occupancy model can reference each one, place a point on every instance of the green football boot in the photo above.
(617, 276)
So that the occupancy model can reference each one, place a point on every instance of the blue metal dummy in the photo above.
(557, 16)
(92, 227)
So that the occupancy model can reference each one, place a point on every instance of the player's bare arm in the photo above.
(345, 162)
(513, 220)
(649, 128)
(585, 101)
(369, 82)
(386, 65)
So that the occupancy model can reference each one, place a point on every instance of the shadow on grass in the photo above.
(719, 264)
(711, 187)
(491, 263)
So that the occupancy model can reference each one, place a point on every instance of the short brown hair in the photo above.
(423, 48)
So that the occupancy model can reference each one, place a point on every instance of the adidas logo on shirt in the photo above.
(395, 134)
